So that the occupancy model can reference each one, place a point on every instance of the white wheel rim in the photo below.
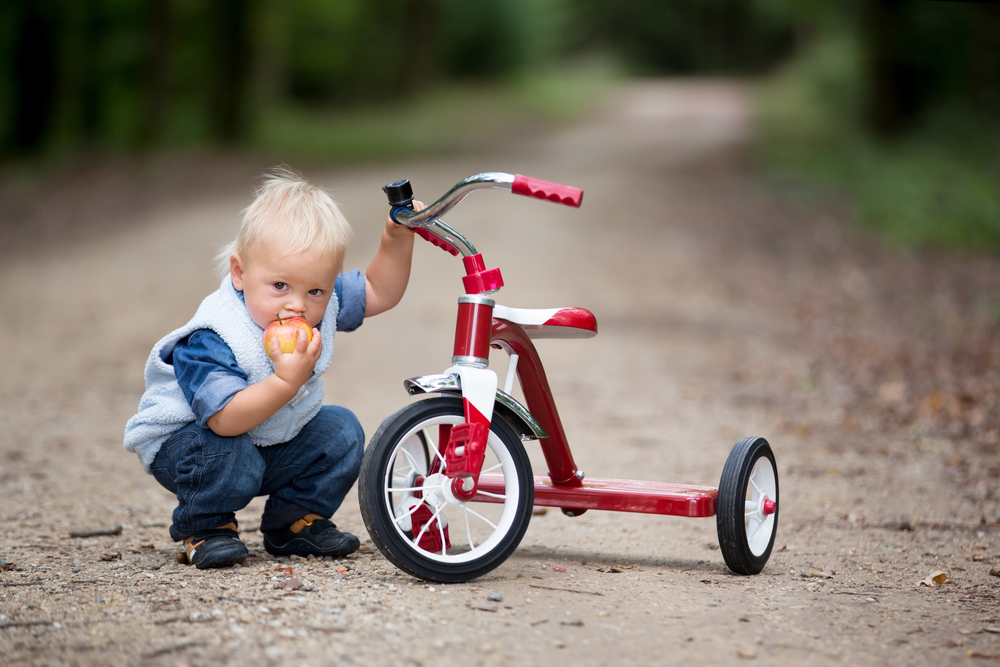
(762, 485)
(475, 528)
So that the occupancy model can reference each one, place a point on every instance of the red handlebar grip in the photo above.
(533, 187)
(441, 243)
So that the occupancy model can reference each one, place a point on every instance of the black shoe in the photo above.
(311, 535)
(219, 547)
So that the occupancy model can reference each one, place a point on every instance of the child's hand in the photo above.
(395, 230)
(296, 367)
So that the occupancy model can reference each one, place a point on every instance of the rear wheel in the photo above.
(747, 518)
(410, 511)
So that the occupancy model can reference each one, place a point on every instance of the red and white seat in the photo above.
(550, 322)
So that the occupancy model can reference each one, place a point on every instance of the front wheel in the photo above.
(411, 513)
(747, 518)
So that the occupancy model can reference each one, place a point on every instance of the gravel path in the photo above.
(724, 311)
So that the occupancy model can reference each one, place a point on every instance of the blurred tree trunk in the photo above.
(34, 84)
(230, 22)
(892, 87)
(158, 31)
(419, 63)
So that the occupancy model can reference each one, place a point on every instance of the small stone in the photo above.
(559, 643)
(338, 576)
(245, 617)
(263, 610)
(495, 596)
(995, 571)
(747, 653)
(603, 613)
(76, 568)
(713, 603)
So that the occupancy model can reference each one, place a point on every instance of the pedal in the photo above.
(466, 451)
(431, 539)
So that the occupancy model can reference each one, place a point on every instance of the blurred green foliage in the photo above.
(896, 106)
(893, 102)
(80, 75)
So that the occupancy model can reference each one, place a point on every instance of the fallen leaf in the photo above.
(988, 656)
(285, 570)
(117, 555)
(341, 570)
(539, 511)
(558, 569)
(935, 578)
(978, 557)
(820, 575)
(995, 571)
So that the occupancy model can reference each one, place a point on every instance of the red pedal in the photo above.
(431, 539)
(466, 450)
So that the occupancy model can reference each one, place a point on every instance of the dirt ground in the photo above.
(726, 308)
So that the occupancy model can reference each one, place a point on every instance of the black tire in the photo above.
(389, 530)
(747, 553)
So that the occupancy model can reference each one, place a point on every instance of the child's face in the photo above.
(276, 284)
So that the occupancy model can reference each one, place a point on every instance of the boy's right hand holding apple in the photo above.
(258, 402)
(296, 367)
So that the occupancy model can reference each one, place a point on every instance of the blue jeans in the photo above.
(214, 476)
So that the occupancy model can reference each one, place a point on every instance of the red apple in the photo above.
(287, 333)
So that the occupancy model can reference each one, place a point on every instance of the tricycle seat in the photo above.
(550, 322)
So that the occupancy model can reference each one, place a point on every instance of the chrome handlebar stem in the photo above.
(430, 217)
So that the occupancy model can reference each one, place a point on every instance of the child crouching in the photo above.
(221, 423)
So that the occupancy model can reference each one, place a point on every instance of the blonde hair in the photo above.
(289, 208)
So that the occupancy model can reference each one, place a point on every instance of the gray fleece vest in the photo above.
(163, 408)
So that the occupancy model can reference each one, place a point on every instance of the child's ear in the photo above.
(236, 271)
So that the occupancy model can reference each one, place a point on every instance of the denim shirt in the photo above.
(206, 367)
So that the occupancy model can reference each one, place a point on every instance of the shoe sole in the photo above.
(223, 557)
(300, 547)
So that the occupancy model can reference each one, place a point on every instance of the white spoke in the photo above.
(408, 514)
(423, 530)
(396, 489)
(473, 513)
(756, 488)
(491, 495)
(444, 544)
(432, 446)
(409, 459)
(491, 469)
(468, 531)
(755, 530)
(750, 514)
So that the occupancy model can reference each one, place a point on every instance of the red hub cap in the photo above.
(770, 507)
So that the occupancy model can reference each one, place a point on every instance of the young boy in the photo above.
(221, 423)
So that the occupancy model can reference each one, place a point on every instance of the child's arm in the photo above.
(389, 271)
(258, 402)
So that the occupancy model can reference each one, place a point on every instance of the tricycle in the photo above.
(446, 486)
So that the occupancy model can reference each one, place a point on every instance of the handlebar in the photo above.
(428, 224)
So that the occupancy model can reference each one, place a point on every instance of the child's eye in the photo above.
(279, 286)
(316, 292)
